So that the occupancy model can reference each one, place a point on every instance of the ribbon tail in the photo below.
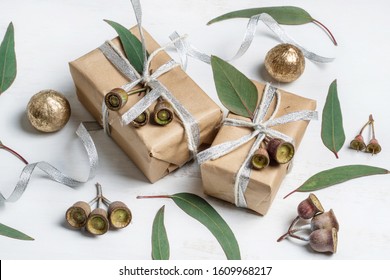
(53, 172)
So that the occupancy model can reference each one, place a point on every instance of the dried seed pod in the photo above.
(116, 99)
(324, 240)
(326, 220)
(358, 143)
(285, 63)
(309, 207)
(260, 159)
(119, 215)
(77, 215)
(97, 223)
(373, 147)
(142, 119)
(280, 150)
(163, 113)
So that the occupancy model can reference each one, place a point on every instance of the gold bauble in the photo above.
(285, 63)
(48, 111)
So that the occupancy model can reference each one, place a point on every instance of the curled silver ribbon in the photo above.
(53, 172)
(188, 50)
(261, 128)
(114, 55)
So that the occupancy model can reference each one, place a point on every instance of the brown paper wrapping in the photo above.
(218, 175)
(156, 150)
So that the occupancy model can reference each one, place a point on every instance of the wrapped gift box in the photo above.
(219, 175)
(156, 150)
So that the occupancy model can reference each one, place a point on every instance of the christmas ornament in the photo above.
(285, 63)
(48, 111)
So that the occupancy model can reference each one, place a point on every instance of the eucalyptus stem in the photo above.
(367, 123)
(371, 120)
(153, 196)
(137, 91)
(8, 149)
(327, 30)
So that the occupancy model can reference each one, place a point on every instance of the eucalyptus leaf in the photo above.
(7, 59)
(288, 15)
(338, 175)
(236, 92)
(160, 244)
(201, 210)
(282, 14)
(332, 131)
(131, 45)
(13, 233)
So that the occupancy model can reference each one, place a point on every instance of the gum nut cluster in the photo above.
(99, 220)
(358, 143)
(323, 227)
(163, 113)
(276, 149)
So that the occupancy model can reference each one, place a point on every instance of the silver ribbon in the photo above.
(186, 49)
(261, 129)
(114, 55)
(53, 172)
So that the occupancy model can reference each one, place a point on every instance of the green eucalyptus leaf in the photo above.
(201, 210)
(131, 45)
(332, 131)
(288, 15)
(7, 59)
(338, 175)
(160, 244)
(283, 14)
(236, 92)
(13, 233)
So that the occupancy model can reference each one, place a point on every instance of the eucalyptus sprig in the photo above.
(337, 175)
(131, 45)
(332, 131)
(288, 15)
(236, 92)
(7, 59)
(202, 211)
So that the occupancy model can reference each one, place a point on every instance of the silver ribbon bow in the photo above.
(53, 172)
(261, 128)
(114, 55)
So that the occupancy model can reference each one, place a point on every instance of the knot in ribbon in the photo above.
(157, 90)
(261, 129)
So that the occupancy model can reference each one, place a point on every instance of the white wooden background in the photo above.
(49, 34)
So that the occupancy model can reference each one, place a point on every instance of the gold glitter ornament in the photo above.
(48, 111)
(285, 63)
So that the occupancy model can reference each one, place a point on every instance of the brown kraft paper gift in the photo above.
(218, 175)
(156, 150)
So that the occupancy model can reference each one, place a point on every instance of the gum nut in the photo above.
(97, 223)
(141, 120)
(326, 220)
(77, 215)
(163, 113)
(119, 215)
(116, 99)
(309, 207)
(324, 240)
(260, 159)
(358, 143)
(281, 151)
